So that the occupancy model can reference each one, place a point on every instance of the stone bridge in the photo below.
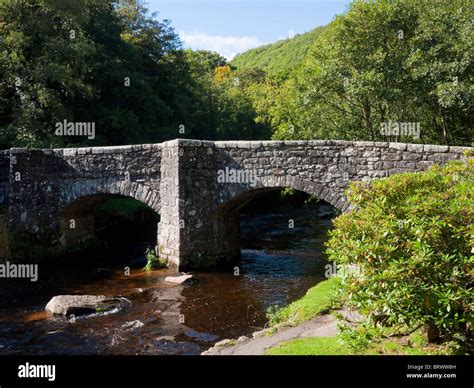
(197, 187)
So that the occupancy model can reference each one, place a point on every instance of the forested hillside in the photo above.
(383, 70)
(280, 58)
(113, 65)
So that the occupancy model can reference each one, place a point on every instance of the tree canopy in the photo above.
(380, 64)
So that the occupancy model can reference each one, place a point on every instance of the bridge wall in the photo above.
(205, 224)
(4, 177)
(4, 193)
(44, 182)
(324, 168)
(181, 180)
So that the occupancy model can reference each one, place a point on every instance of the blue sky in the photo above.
(233, 26)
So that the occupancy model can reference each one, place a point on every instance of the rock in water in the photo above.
(82, 304)
(179, 279)
(133, 325)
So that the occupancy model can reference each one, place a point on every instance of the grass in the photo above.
(127, 208)
(318, 300)
(323, 298)
(310, 346)
(415, 344)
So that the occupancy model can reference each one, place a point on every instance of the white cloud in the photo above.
(227, 46)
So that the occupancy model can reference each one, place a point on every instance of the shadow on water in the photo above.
(278, 265)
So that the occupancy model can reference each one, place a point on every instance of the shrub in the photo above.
(153, 261)
(411, 237)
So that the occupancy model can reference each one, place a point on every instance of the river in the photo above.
(279, 264)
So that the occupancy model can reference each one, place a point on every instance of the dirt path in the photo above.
(320, 326)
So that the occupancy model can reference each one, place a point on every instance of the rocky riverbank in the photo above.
(320, 326)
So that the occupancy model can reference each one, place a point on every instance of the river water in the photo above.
(279, 264)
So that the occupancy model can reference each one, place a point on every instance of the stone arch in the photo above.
(85, 188)
(333, 196)
(226, 217)
(88, 228)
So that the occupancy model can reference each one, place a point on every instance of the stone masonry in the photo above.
(180, 180)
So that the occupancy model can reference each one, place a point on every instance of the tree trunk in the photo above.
(432, 332)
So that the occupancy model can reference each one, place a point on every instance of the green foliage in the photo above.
(404, 61)
(287, 192)
(359, 338)
(365, 339)
(233, 111)
(278, 59)
(411, 238)
(204, 62)
(224, 100)
(73, 61)
(122, 207)
(153, 261)
(400, 61)
(312, 199)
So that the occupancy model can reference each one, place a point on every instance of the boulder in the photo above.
(82, 304)
(224, 342)
(261, 333)
(133, 325)
(182, 279)
(242, 339)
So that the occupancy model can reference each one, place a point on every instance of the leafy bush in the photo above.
(153, 261)
(275, 315)
(287, 192)
(411, 238)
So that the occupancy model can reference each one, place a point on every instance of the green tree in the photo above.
(442, 69)
(42, 68)
(235, 115)
(203, 119)
(141, 76)
(380, 61)
(110, 63)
